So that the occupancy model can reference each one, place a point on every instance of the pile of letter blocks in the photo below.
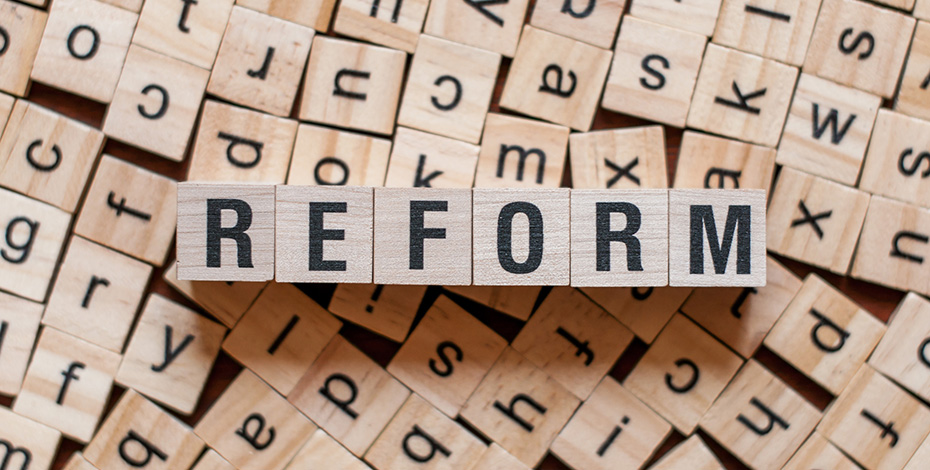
(824, 104)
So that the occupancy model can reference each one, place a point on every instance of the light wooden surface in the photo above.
(28, 23)
(893, 165)
(706, 161)
(900, 354)
(324, 156)
(912, 95)
(891, 249)
(509, 140)
(594, 22)
(24, 435)
(779, 30)
(21, 319)
(386, 310)
(392, 24)
(195, 40)
(419, 159)
(645, 311)
(632, 158)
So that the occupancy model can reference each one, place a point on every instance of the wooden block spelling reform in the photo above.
(828, 129)
(915, 82)
(817, 452)
(692, 454)
(760, 419)
(34, 234)
(531, 242)
(556, 79)
(97, 294)
(742, 96)
(47, 156)
(388, 310)
(628, 243)
(519, 407)
(190, 31)
(653, 72)
(589, 21)
(824, 334)
(322, 451)
(859, 45)
(895, 165)
(419, 436)
(682, 374)
(27, 443)
(226, 232)
(629, 158)
(449, 88)
(260, 61)
(706, 161)
(815, 220)
(253, 427)
(699, 16)
(83, 47)
(506, 148)
(422, 160)
(397, 25)
(573, 340)
(348, 395)
(312, 14)
(280, 335)
(238, 144)
(876, 422)
(24, 27)
(496, 458)
(170, 354)
(491, 26)
(351, 84)
(446, 356)
(645, 311)
(891, 249)
(156, 103)
(78, 462)
(781, 31)
(130, 209)
(19, 325)
(210, 460)
(742, 316)
(138, 433)
(330, 157)
(516, 301)
(226, 301)
(612, 429)
(434, 229)
(335, 245)
(902, 353)
(67, 384)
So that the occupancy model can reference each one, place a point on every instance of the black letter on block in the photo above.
(824, 322)
(150, 450)
(505, 237)
(172, 353)
(738, 223)
(695, 375)
(742, 101)
(216, 232)
(25, 248)
(722, 175)
(235, 140)
(863, 36)
(418, 233)
(434, 446)
(773, 419)
(185, 11)
(832, 121)
(92, 51)
(339, 91)
(341, 404)
(557, 89)
(647, 66)
(626, 236)
(896, 250)
(56, 151)
(580, 346)
(522, 155)
(887, 429)
(455, 99)
(509, 410)
(262, 73)
(331, 161)
(910, 171)
(252, 439)
(480, 6)
(162, 109)
(318, 234)
(567, 8)
(441, 351)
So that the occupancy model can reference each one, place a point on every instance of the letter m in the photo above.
(738, 224)
(9, 451)
(522, 155)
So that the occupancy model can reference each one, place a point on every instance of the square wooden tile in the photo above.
(891, 249)
(915, 88)
(922, 9)
(629, 158)
(496, 458)
(817, 452)
(493, 27)
(691, 454)
(190, 31)
(27, 25)
(902, 353)
(920, 457)
(387, 310)
(423, 160)
(506, 148)
(19, 325)
(314, 14)
(699, 16)
(779, 30)
(645, 311)
(896, 163)
(396, 25)
(330, 157)
(516, 301)
(322, 451)
(589, 21)
(225, 301)
(35, 443)
(706, 161)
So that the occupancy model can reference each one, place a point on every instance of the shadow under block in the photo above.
(691, 454)
(824, 334)
(419, 159)
(322, 451)
(29, 444)
(815, 220)
(46, 155)
(742, 96)
(496, 458)
(170, 354)
(494, 27)
(698, 16)
(281, 335)
(760, 419)
(780, 30)
(25, 26)
(896, 164)
(591, 21)
(446, 356)
(314, 14)
(706, 161)
(556, 78)
(859, 45)
(902, 353)
(156, 103)
(507, 146)
(186, 31)
(34, 234)
(892, 246)
(253, 427)
(653, 72)
(876, 422)
(828, 129)
(817, 452)
(396, 24)
(83, 48)
(520, 407)
(348, 395)
(339, 233)
(914, 94)
(352, 84)
(330, 157)
(388, 310)
(138, 433)
(645, 311)
(225, 301)
(630, 158)
(516, 301)
(19, 324)
(67, 384)
(97, 293)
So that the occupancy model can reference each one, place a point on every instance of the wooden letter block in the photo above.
(516, 301)
(522, 237)
(507, 146)
(139, 434)
(556, 79)
(589, 21)
(67, 384)
(329, 157)
(78, 462)
(226, 301)
(781, 31)
(253, 427)
(6, 105)
(312, 13)
(828, 129)
(892, 247)
(237, 144)
(683, 373)
(446, 356)
(322, 451)
(902, 353)
(335, 245)
(280, 335)
(706, 161)
(699, 16)
(156, 103)
(449, 89)
(422, 160)
(186, 31)
(913, 96)
(760, 419)
(872, 414)
(922, 9)
(19, 318)
(494, 27)
(210, 460)
(520, 407)
(817, 452)
(348, 395)
(859, 45)
(351, 84)
(419, 436)
(47, 156)
(27, 443)
(423, 236)
(388, 310)
(742, 96)
(824, 334)
(396, 25)
(83, 47)
(895, 164)
(496, 458)
(645, 311)
(705, 225)
(97, 294)
(631, 158)
(24, 27)
(691, 454)
(920, 458)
